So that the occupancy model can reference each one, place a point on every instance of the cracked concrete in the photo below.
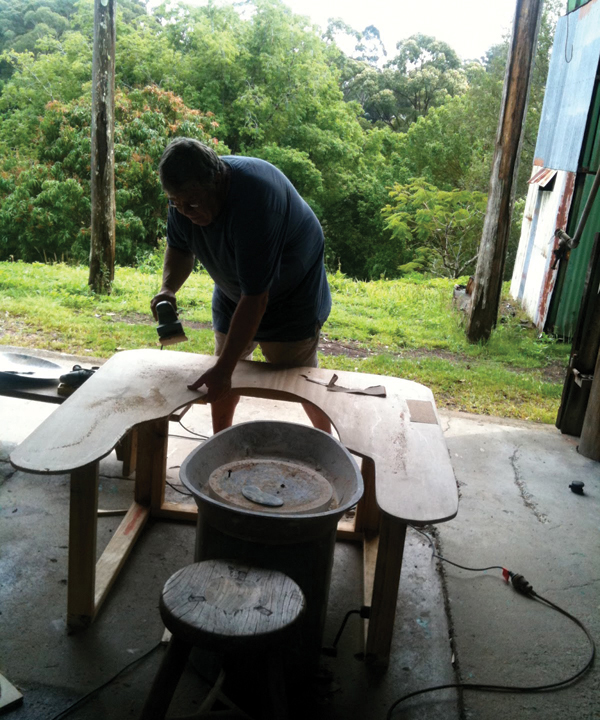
(517, 511)
(524, 492)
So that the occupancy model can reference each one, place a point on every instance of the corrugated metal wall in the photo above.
(574, 4)
(568, 141)
(569, 89)
(567, 309)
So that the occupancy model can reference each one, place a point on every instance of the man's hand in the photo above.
(162, 295)
(176, 269)
(217, 381)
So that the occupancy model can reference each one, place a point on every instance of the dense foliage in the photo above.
(360, 135)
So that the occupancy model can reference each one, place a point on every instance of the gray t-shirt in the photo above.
(265, 238)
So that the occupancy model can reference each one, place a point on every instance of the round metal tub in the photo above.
(271, 494)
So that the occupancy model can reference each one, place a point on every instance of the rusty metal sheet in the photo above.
(542, 177)
(579, 259)
(569, 88)
(550, 277)
(533, 278)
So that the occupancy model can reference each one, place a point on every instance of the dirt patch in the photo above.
(554, 373)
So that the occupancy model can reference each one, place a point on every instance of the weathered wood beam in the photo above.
(102, 251)
(496, 229)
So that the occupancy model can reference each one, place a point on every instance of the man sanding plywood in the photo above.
(263, 246)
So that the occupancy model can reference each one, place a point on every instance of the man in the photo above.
(263, 247)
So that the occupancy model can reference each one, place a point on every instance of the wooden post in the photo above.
(589, 445)
(496, 229)
(102, 251)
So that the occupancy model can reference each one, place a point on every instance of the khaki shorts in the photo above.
(301, 353)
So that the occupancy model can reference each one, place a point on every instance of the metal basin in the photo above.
(272, 482)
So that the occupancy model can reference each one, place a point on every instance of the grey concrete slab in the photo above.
(517, 511)
(53, 669)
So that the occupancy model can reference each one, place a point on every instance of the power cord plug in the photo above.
(521, 585)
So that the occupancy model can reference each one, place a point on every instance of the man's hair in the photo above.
(186, 161)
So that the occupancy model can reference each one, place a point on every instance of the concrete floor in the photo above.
(516, 510)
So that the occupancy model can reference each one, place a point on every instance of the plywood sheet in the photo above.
(414, 478)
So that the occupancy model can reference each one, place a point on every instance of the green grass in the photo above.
(405, 328)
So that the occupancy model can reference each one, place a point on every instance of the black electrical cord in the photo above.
(192, 432)
(521, 585)
(78, 703)
(181, 492)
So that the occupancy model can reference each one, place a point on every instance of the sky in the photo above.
(470, 27)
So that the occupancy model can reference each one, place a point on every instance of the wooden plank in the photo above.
(176, 511)
(385, 590)
(117, 551)
(83, 509)
(10, 697)
(346, 530)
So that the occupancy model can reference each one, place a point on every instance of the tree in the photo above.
(45, 205)
(446, 223)
(423, 74)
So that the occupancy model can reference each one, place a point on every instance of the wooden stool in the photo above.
(227, 607)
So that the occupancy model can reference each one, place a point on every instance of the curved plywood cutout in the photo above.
(414, 478)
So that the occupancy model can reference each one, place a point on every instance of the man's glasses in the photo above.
(178, 205)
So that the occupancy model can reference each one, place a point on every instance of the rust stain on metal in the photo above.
(585, 9)
(542, 177)
(562, 217)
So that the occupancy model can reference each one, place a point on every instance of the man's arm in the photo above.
(242, 329)
(177, 267)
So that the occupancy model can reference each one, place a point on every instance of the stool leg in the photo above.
(279, 709)
(165, 682)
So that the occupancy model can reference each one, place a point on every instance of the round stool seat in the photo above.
(223, 604)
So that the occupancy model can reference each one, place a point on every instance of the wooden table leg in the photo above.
(151, 463)
(388, 548)
(367, 511)
(83, 511)
(89, 582)
(126, 450)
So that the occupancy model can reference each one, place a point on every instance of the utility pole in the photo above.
(102, 251)
(485, 298)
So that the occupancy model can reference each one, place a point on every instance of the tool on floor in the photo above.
(169, 329)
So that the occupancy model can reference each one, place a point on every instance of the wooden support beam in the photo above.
(117, 551)
(83, 509)
(496, 229)
(176, 511)
(102, 253)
